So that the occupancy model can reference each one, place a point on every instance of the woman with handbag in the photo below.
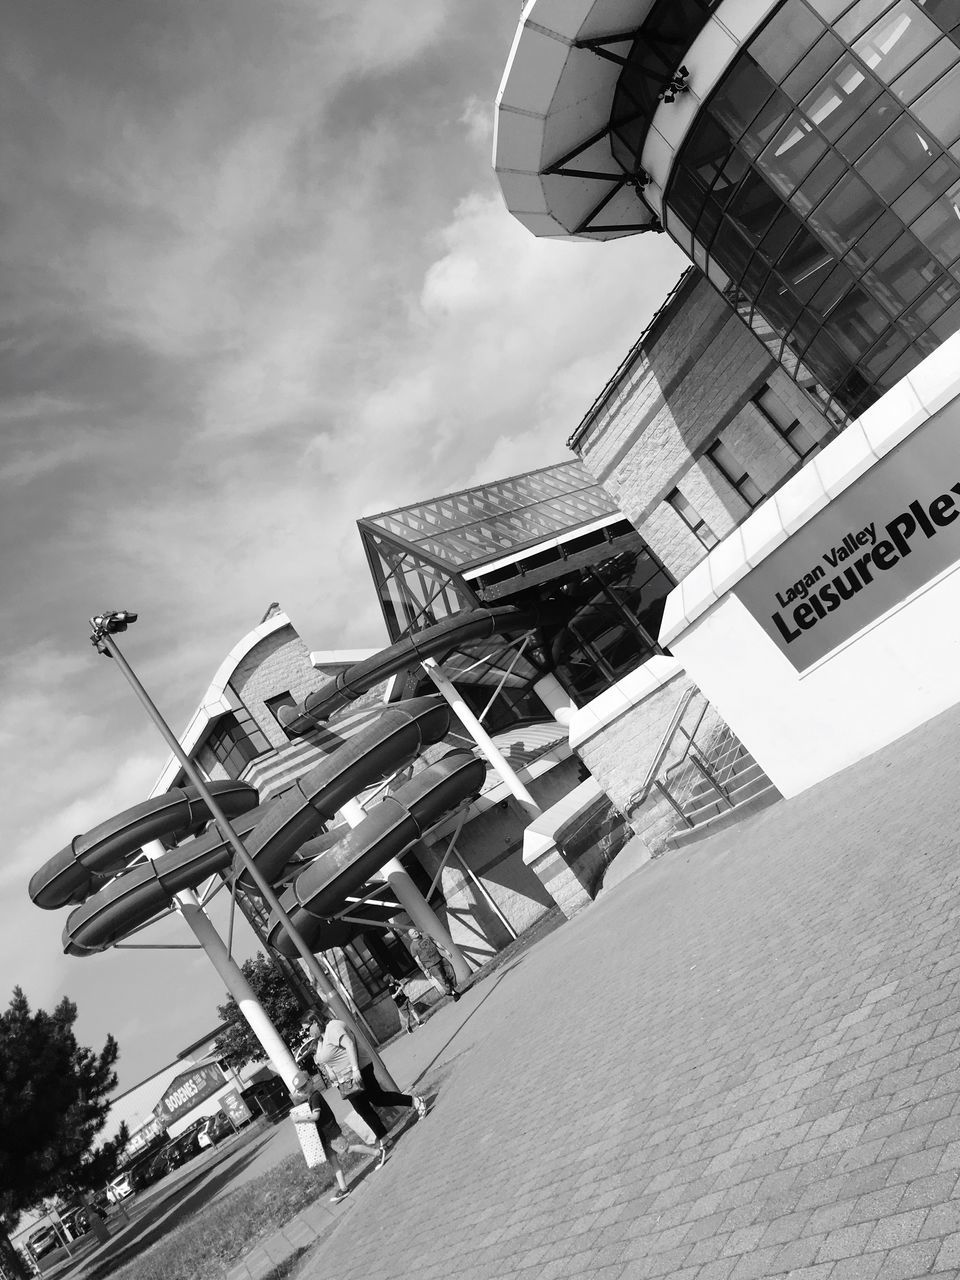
(348, 1065)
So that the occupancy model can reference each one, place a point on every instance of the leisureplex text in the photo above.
(816, 600)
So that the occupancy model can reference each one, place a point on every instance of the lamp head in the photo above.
(109, 624)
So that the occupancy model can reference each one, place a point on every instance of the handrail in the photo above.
(666, 741)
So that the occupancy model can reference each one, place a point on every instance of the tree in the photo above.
(53, 1103)
(237, 1044)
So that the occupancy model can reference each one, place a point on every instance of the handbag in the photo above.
(348, 1088)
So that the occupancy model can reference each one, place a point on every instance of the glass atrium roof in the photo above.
(477, 525)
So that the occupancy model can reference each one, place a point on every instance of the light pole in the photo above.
(104, 627)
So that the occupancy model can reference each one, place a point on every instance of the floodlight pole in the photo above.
(105, 643)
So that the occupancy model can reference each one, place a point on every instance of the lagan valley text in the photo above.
(883, 554)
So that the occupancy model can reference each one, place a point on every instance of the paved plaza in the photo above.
(744, 1061)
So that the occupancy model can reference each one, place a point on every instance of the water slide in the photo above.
(437, 641)
(116, 898)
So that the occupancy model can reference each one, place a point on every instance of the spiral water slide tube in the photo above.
(116, 898)
(433, 642)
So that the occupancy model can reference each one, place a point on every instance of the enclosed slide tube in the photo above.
(273, 832)
(433, 642)
(77, 871)
(388, 829)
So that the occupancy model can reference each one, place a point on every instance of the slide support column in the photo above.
(485, 744)
(203, 930)
(412, 900)
(555, 698)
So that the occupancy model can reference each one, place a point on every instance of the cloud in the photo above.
(258, 281)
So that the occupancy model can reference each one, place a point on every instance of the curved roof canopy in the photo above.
(582, 83)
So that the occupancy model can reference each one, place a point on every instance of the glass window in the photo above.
(805, 265)
(944, 13)
(948, 324)
(692, 518)
(786, 423)
(890, 346)
(766, 123)
(845, 213)
(708, 153)
(867, 129)
(784, 40)
(754, 206)
(930, 184)
(895, 161)
(735, 473)
(840, 97)
(829, 9)
(925, 71)
(860, 18)
(794, 151)
(824, 178)
(941, 294)
(938, 108)
(232, 743)
(939, 227)
(903, 273)
(833, 244)
(873, 242)
(740, 97)
(814, 66)
(899, 38)
(778, 306)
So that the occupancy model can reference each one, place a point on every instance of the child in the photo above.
(332, 1139)
(405, 1006)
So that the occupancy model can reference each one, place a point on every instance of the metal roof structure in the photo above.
(422, 556)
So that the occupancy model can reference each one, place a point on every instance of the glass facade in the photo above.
(820, 191)
(526, 541)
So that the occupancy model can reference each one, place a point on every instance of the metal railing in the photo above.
(713, 761)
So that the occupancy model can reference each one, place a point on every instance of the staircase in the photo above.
(704, 773)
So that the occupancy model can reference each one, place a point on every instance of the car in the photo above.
(76, 1222)
(214, 1129)
(121, 1187)
(43, 1241)
(183, 1148)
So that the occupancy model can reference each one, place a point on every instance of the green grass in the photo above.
(216, 1238)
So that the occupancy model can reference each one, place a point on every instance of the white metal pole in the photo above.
(485, 743)
(555, 698)
(411, 899)
(203, 930)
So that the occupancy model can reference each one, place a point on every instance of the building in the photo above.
(697, 427)
(804, 154)
(550, 541)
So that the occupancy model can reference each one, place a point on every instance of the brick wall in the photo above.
(279, 663)
(620, 753)
(691, 379)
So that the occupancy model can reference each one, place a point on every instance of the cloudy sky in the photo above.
(257, 281)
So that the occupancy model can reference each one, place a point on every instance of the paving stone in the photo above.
(774, 1075)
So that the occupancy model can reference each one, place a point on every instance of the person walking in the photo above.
(409, 1018)
(433, 961)
(349, 1066)
(333, 1141)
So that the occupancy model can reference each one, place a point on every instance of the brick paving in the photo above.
(743, 1062)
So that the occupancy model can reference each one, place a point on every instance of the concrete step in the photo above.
(711, 805)
(702, 790)
(728, 818)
